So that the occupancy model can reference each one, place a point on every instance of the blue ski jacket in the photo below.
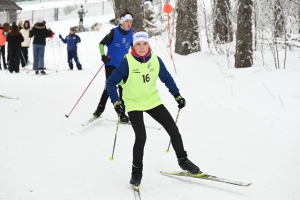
(71, 40)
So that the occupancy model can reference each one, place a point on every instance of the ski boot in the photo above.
(136, 176)
(99, 110)
(136, 179)
(43, 72)
(187, 165)
(123, 118)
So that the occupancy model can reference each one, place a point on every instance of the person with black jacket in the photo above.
(14, 39)
(40, 33)
(118, 42)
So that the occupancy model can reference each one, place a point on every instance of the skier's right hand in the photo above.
(60, 36)
(180, 100)
(119, 107)
(105, 59)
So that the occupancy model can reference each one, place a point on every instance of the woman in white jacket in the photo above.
(26, 43)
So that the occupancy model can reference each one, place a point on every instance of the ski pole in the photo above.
(167, 150)
(60, 50)
(112, 156)
(84, 91)
(24, 60)
(54, 54)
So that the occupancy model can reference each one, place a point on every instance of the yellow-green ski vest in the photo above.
(139, 91)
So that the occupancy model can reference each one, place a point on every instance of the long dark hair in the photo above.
(26, 21)
(14, 30)
(6, 27)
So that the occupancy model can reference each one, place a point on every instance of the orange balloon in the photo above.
(168, 8)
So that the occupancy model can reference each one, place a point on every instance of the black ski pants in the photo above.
(2, 49)
(14, 62)
(162, 116)
(104, 96)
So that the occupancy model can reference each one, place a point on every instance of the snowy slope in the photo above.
(241, 124)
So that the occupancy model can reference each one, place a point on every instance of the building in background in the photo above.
(8, 11)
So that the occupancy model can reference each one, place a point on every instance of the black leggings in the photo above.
(2, 49)
(162, 116)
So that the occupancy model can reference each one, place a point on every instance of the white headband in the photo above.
(140, 36)
(127, 16)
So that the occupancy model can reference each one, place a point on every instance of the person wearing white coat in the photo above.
(25, 44)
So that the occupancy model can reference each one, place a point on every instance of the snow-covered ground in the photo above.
(240, 124)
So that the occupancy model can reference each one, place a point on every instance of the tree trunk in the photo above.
(187, 30)
(278, 17)
(136, 7)
(223, 25)
(255, 25)
(299, 16)
(244, 50)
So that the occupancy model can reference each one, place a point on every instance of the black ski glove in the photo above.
(180, 100)
(60, 36)
(105, 59)
(119, 107)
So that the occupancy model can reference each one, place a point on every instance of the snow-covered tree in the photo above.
(187, 30)
(222, 26)
(244, 50)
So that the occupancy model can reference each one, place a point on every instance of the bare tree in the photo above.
(278, 18)
(244, 50)
(203, 8)
(187, 30)
(223, 25)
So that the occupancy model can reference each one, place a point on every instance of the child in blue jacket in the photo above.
(72, 39)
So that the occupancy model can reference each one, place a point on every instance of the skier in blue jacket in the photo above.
(118, 43)
(72, 39)
(137, 73)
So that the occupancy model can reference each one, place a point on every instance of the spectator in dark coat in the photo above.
(14, 39)
(40, 33)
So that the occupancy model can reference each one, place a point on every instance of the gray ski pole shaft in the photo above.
(24, 59)
(167, 150)
(117, 128)
(54, 54)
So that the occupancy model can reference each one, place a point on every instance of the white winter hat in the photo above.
(39, 20)
(124, 18)
(140, 36)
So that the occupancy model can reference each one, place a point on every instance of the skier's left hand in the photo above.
(119, 107)
(180, 100)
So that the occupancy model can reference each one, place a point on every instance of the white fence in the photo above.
(55, 11)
